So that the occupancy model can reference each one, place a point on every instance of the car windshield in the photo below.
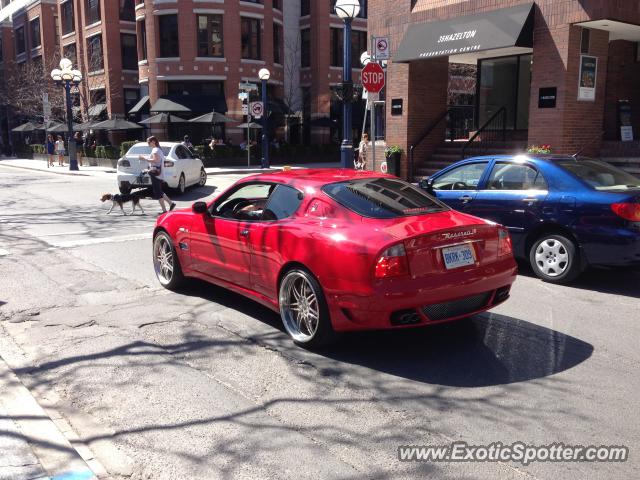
(383, 198)
(600, 175)
(144, 150)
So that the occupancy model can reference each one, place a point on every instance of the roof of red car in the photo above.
(315, 176)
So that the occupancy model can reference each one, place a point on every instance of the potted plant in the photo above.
(539, 149)
(393, 153)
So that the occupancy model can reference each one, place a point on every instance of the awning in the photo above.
(138, 107)
(97, 110)
(190, 104)
(507, 27)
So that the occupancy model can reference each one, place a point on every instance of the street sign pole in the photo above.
(373, 109)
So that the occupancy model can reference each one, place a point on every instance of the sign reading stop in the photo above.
(373, 77)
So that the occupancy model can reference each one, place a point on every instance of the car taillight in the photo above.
(392, 262)
(505, 248)
(168, 164)
(628, 211)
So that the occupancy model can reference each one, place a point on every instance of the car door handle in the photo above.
(465, 198)
(530, 200)
(244, 233)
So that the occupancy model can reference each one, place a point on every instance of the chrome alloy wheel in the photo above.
(552, 257)
(203, 178)
(299, 307)
(163, 260)
(182, 186)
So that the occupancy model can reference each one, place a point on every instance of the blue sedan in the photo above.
(563, 213)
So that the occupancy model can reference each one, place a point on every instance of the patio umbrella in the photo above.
(252, 125)
(116, 124)
(61, 128)
(49, 125)
(81, 127)
(212, 118)
(25, 127)
(162, 118)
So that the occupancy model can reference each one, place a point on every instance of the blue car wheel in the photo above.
(554, 259)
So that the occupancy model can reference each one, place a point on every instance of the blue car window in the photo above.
(514, 176)
(464, 177)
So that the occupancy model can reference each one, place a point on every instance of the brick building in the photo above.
(558, 68)
(187, 57)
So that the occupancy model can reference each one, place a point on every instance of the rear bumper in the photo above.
(442, 298)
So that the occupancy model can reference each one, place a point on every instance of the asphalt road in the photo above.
(206, 385)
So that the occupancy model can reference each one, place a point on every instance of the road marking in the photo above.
(97, 241)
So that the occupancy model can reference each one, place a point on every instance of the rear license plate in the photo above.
(458, 256)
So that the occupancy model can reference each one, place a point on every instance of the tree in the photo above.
(23, 86)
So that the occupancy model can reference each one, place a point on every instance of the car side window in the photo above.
(515, 176)
(464, 177)
(283, 203)
(247, 202)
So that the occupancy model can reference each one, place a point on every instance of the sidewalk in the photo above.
(41, 165)
(32, 445)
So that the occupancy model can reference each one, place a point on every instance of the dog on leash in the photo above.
(120, 199)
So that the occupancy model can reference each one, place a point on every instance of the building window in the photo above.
(94, 53)
(56, 26)
(305, 47)
(305, 8)
(70, 52)
(251, 38)
(278, 44)
(277, 4)
(34, 32)
(131, 97)
(585, 40)
(127, 10)
(215, 88)
(93, 11)
(21, 45)
(68, 22)
(1, 52)
(129, 49)
(363, 8)
(358, 45)
(253, 1)
(142, 52)
(210, 36)
(169, 38)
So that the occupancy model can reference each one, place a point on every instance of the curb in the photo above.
(2, 164)
(57, 456)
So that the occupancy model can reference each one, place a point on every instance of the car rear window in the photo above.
(144, 150)
(383, 198)
(600, 175)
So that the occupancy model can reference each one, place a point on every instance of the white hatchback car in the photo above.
(181, 168)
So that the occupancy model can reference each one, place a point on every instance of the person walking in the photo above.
(51, 150)
(79, 144)
(363, 150)
(156, 170)
(60, 150)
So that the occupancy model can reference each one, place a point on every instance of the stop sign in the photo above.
(373, 77)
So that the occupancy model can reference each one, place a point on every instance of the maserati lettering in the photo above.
(451, 236)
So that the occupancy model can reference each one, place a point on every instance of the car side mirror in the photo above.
(200, 208)
(426, 184)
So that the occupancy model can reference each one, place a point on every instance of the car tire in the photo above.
(124, 189)
(304, 310)
(203, 177)
(555, 259)
(182, 185)
(166, 262)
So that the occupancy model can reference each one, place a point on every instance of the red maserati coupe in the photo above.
(338, 250)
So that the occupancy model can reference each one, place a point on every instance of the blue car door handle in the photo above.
(465, 198)
(530, 200)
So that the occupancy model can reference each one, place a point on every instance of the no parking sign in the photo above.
(257, 109)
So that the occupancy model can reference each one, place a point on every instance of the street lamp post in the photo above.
(347, 10)
(68, 77)
(264, 75)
